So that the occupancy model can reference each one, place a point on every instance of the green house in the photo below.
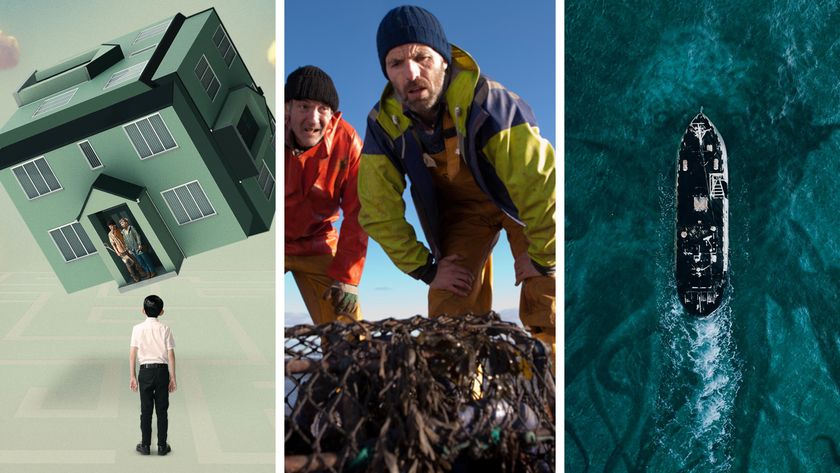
(164, 126)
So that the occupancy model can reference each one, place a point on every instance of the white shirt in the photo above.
(153, 341)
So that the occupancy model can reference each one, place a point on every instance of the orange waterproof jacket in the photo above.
(319, 181)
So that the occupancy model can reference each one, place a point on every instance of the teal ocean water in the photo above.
(756, 386)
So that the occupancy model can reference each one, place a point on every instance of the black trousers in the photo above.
(153, 385)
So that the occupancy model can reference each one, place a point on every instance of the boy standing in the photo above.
(153, 345)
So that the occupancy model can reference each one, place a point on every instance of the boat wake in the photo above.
(701, 380)
(701, 398)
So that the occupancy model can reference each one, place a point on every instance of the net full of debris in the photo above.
(418, 395)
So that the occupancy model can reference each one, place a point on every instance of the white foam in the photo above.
(703, 354)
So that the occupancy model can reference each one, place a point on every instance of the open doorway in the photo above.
(138, 260)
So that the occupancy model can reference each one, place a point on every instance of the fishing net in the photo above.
(470, 393)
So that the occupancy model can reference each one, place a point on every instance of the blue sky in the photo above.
(513, 44)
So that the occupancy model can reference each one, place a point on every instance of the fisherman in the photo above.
(322, 162)
(477, 165)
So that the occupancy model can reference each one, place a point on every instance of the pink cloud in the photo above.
(9, 51)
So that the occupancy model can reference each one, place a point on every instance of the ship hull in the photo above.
(702, 227)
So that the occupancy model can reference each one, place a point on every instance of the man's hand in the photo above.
(172, 385)
(524, 268)
(344, 297)
(132, 384)
(452, 277)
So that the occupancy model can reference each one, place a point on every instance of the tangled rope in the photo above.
(418, 396)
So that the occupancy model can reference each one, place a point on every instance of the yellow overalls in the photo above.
(470, 226)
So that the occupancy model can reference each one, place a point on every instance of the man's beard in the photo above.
(424, 105)
(429, 104)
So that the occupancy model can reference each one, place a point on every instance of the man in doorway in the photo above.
(477, 165)
(115, 238)
(134, 243)
(322, 161)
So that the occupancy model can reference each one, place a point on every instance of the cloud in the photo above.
(9, 51)
(271, 54)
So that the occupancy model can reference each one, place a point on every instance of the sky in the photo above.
(514, 45)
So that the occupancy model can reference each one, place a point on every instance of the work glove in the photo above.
(344, 297)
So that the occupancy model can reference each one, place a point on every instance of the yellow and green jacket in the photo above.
(500, 142)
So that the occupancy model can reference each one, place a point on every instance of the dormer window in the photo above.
(125, 75)
(151, 32)
(55, 102)
(142, 50)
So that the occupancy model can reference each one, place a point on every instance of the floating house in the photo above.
(164, 126)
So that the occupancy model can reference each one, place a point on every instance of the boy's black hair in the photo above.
(153, 306)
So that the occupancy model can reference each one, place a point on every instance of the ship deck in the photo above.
(702, 218)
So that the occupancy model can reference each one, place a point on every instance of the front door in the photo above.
(141, 262)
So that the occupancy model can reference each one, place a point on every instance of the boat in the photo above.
(702, 227)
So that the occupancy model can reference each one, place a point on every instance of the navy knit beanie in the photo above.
(410, 24)
(311, 83)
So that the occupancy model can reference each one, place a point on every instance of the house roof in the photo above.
(112, 185)
(116, 186)
(89, 93)
(94, 107)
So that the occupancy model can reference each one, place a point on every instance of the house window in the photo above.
(223, 44)
(36, 178)
(248, 128)
(266, 180)
(151, 31)
(125, 75)
(72, 241)
(54, 102)
(188, 203)
(142, 50)
(92, 159)
(207, 77)
(150, 136)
